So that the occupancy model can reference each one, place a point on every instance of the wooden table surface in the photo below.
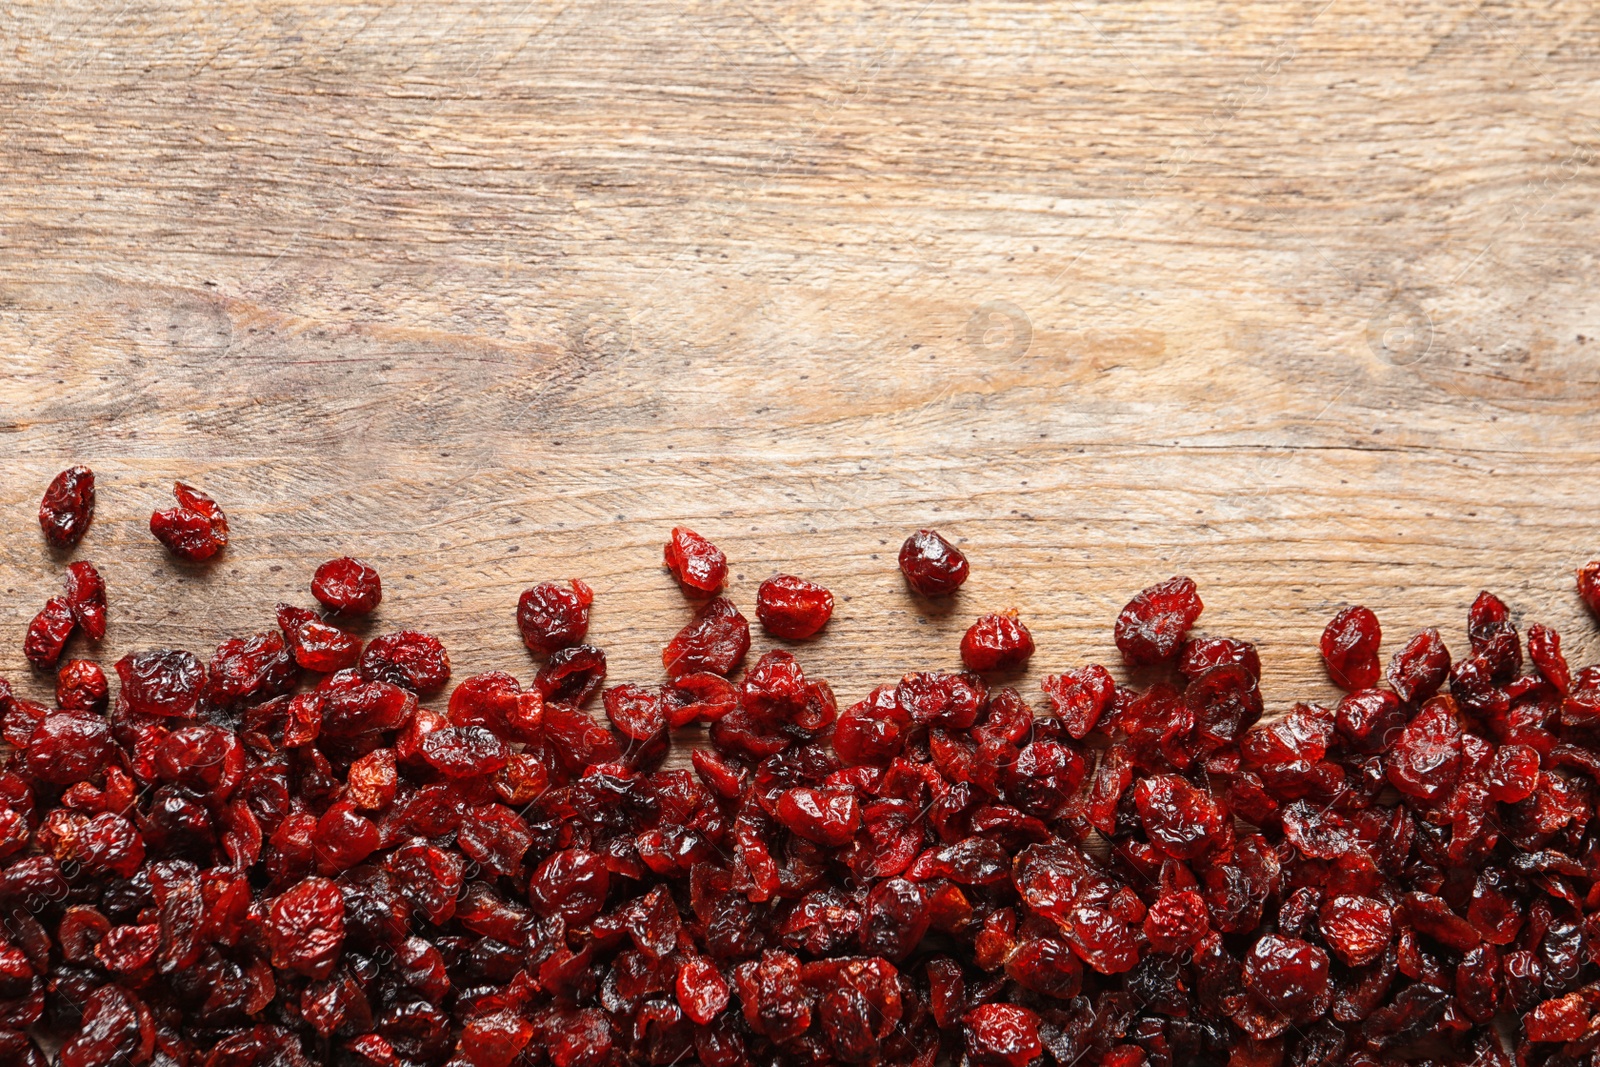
(1298, 299)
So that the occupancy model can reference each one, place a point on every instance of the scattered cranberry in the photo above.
(552, 618)
(68, 507)
(699, 565)
(48, 633)
(1153, 626)
(793, 608)
(932, 565)
(86, 596)
(1589, 585)
(715, 641)
(195, 530)
(349, 586)
(1350, 649)
(996, 643)
(238, 862)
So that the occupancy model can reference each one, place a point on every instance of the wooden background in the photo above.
(1296, 298)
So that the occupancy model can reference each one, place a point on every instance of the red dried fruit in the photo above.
(571, 884)
(702, 992)
(824, 815)
(1417, 670)
(1350, 649)
(1425, 759)
(1358, 929)
(697, 564)
(572, 675)
(552, 618)
(195, 530)
(347, 585)
(1289, 976)
(793, 608)
(1204, 653)
(715, 642)
(1559, 1019)
(48, 633)
(305, 928)
(409, 658)
(68, 507)
(81, 686)
(1589, 585)
(1002, 1035)
(86, 596)
(932, 565)
(1176, 922)
(1080, 698)
(1153, 625)
(996, 643)
(635, 711)
(316, 645)
(161, 682)
(1182, 821)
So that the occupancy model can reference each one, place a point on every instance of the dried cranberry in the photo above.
(1417, 670)
(196, 529)
(68, 507)
(86, 595)
(572, 675)
(316, 645)
(932, 565)
(996, 643)
(1589, 585)
(81, 686)
(715, 642)
(347, 585)
(1154, 624)
(552, 618)
(305, 928)
(793, 608)
(161, 682)
(409, 658)
(697, 564)
(1350, 649)
(1002, 1035)
(48, 633)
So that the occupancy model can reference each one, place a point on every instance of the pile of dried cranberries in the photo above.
(308, 851)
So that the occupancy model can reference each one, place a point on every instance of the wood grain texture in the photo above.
(1295, 298)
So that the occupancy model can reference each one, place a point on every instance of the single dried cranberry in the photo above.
(793, 608)
(1154, 624)
(635, 711)
(1350, 649)
(48, 633)
(1002, 1035)
(715, 642)
(552, 618)
(1080, 698)
(195, 530)
(86, 595)
(996, 643)
(316, 645)
(1358, 929)
(932, 565)
(1589, 585)
(1417, 670)
(67, 507)
(1289, 975)
(572, 675)
(1181, 820)
(161, 682)
(1514, 774)
(824, 815)
(81, 686)
(697, 564)
(347, 585)
(409, 658)
(1425, 759)
(571, 884)
(305, 928)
